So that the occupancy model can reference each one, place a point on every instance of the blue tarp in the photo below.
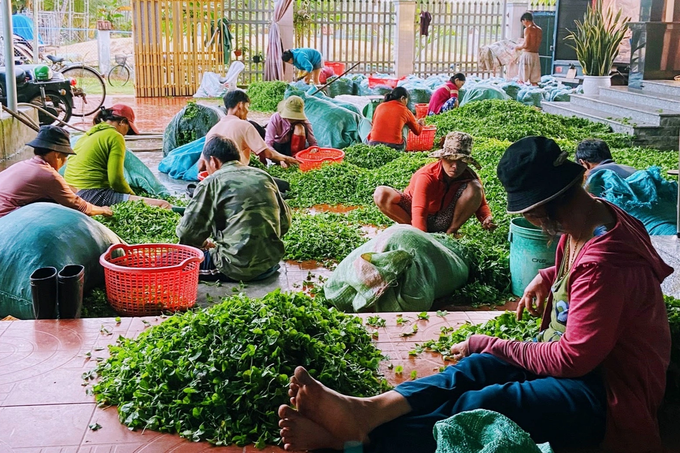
(645, 195)
(182, 162)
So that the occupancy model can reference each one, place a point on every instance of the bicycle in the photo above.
(119, 75)
(89, 91)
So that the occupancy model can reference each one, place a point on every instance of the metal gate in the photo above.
(250, 20)
(349, 31)
(457, 31)
(175, 44)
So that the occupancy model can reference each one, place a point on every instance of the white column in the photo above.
(10, 75)
(513, 12)
(514, 29)
(287, 32)
(104, 50)
(405, 43)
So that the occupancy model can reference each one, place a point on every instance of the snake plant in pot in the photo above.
(596, 41)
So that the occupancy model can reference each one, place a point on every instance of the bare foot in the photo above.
(300, 433)
(344, 417)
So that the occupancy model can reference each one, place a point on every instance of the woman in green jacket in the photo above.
(96, 171)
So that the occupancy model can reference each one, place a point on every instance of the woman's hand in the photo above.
(488, 224)
(461, 350)
(421, 121)
(534, 292)
(208, 244)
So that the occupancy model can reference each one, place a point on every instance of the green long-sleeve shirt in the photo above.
(99, 159)
(242, 210)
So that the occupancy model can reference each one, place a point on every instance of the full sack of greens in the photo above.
(220, 374)
(189, 124)
(41, 235)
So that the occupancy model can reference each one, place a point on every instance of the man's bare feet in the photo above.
(300, 433)
(345, 418)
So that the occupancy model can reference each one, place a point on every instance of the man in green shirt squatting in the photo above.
(237, 215)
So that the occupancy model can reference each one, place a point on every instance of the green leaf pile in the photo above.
(265, 96)
(138, 223)
(220, 374)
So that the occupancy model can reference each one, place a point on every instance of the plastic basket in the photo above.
(338, 68)
(147, 279)
(421, 110)
(120, 59)
(422, 142)
(390, 82)
(313, 157)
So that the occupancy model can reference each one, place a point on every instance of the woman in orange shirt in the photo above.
(389, 120)
(441, 196)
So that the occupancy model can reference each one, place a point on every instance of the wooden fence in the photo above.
(175, 44)
(457, 31)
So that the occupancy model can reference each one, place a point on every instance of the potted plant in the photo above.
(596, 42)
(258, 58)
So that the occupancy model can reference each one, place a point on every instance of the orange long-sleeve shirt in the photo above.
(431, 193)
(389, 119)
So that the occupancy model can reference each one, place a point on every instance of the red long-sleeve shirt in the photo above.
(431, 193)
(389, 119)
(618, 322)
(443, 94)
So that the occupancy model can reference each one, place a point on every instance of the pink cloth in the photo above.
(442, 95)
(240, 132)
(34, 180)
(618, 322)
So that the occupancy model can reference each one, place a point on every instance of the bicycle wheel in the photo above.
(119, 76)
(55, 104)
(90, 90)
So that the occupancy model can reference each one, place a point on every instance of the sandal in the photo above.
(190, 190)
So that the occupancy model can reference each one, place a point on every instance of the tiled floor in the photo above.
(44, 406)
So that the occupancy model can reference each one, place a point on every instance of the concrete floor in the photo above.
(669, 250)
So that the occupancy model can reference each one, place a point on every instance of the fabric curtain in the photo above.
(273, 66)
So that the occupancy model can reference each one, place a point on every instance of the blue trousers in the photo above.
(564, 412)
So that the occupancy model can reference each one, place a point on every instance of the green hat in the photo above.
(293, 108)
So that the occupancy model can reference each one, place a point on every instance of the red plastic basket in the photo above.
(313, 157)
(421, 110)
(338, 68)
(147, 279)
(422, 142)
(390, 82)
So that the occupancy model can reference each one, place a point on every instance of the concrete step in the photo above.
(617, 123)
(644, 134)
(666, 103)
(636, 113)
(664, 87)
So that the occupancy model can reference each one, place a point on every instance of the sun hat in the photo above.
(293, 108)
(127, 113)
(457, 146)
(53, 138)
(534, 170)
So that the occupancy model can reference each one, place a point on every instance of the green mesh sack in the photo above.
(341, 85)
(191, 123)
(401, 269)
(47, 234)
(484, 431)
(481, 92)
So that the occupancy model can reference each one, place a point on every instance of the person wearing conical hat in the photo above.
(289, 130)
(443, 195)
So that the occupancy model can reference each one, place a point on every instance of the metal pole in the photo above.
(10, 77)
(36, 38)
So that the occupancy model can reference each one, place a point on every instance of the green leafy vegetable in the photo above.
(219, 374)
(265, 96)
(138, 223)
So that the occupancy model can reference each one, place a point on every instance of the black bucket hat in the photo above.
(53, 138)
(534, 170)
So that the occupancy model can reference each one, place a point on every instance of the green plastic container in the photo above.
(529, 252)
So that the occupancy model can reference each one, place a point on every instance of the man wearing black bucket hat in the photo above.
(37, 179)
(596, 373)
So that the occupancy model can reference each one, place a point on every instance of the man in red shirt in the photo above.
(595, 375)
(442, 195)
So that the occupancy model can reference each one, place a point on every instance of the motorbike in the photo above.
(54, 95)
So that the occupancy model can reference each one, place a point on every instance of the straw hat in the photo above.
(457, 146)
(293, 108)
